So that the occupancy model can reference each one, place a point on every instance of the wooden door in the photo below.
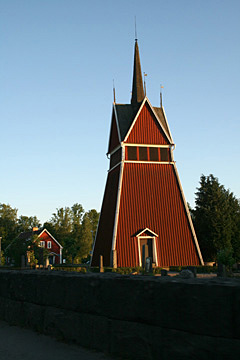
(146, 248)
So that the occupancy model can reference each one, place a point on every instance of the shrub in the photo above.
(225, 257)
(157, 270)
(2, 258)
(80, 269)
(200, 269)
(123, 271)
(175, 268)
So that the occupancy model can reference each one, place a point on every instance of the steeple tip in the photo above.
(137, 85)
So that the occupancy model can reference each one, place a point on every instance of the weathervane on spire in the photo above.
(145, 90)
(161, 87)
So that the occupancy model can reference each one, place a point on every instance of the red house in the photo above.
(144, 212)
(48, 242)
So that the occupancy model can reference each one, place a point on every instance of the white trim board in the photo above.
(158, 120)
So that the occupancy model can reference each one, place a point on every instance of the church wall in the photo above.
(147, 130)
(103, 243)
(151, 198)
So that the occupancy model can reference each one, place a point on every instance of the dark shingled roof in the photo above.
(28, 234)
(161, 118)
(125, 116)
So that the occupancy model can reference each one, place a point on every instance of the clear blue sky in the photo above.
(57, 62)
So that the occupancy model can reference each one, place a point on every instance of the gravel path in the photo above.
(22, 344)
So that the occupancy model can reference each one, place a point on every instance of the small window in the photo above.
(143, 153)
(132, 152)
(42, 244)
(153, 152)
(49, 244)
(164, 154)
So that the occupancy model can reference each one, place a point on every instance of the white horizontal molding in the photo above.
(148, 145)
(150, 162)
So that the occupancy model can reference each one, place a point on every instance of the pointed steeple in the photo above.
(137, 85)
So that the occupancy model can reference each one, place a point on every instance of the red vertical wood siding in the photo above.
(103, 244)
(151, 198)
(114, 140)
(147, 130)
(54, 246)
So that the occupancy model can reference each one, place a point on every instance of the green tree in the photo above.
(93, 217)
(213, 218)
(235, 226)
(62, 223)
(85, 238)
(66, 226)
(2, 258)
(77, 213)
(75, 230)
(26, 223)
(8, 224)
(17, 249)
(225, 257)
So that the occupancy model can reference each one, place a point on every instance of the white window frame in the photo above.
(49, 244)
(42, 244)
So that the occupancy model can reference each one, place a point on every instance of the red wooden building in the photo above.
(47, 241)
(144, 211)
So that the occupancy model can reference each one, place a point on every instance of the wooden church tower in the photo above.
(144, 212)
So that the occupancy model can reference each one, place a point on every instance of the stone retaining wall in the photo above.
(129, 316)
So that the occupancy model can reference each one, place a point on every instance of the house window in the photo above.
(42, 244)
(49, 244)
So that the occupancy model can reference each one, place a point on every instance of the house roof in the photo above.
(162, 119)
(125, 117)
(27, 235)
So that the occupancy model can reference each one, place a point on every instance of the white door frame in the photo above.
(153, 247)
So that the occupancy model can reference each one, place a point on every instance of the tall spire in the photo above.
(137, 85)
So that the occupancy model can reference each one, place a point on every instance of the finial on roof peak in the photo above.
(114, 94)
(135, 29)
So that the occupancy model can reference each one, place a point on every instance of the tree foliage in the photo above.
(26, 223)
(8, 224)
(74, 229)
(11, 226)
(216, 219)
(93, 217)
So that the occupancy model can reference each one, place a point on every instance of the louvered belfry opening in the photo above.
(143, 189)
